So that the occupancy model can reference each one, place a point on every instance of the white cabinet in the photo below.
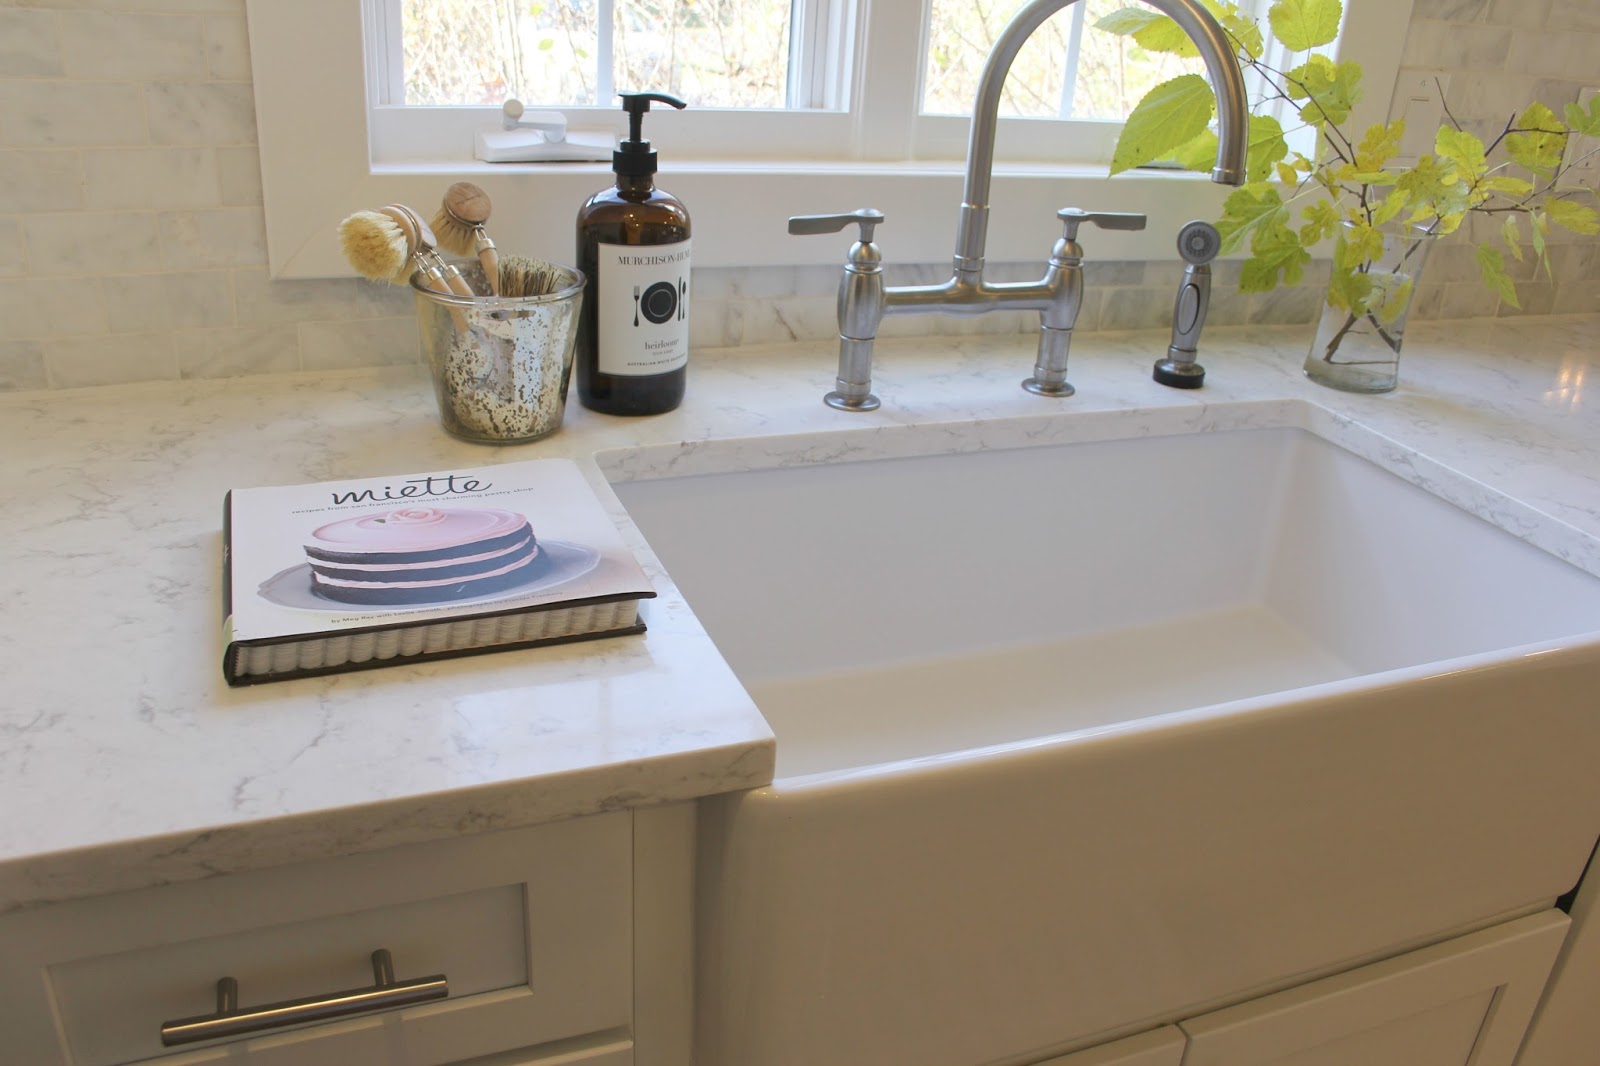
(531, 928)
(1465, 1002)
(1566, 1027)
(1159, 1047)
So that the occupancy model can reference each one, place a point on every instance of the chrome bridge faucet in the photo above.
(864, 299)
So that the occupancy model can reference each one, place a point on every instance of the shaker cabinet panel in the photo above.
(1566, 1027)
(1465, 1002)
(531, 928)
(1159, 1047)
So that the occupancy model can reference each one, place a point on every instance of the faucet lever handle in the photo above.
(1073, 217)
(866, 218)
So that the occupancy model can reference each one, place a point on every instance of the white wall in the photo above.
(132, 246)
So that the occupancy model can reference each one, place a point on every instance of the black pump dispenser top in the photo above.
(634, 157)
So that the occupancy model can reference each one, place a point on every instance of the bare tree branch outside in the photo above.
(734, 53)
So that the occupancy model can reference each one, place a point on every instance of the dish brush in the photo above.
(387, 244)
(459, 224)
(521, 275)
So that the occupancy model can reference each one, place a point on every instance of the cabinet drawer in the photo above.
(530, 928)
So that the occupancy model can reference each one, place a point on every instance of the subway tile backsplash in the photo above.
(132, 245)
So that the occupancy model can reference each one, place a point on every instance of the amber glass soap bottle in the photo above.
(633, 244)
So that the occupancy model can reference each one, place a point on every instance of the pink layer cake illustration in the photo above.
(418, 555)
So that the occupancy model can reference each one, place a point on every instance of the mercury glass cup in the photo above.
(500, 364)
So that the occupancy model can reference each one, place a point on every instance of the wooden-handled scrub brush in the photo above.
(388, 244)
(459, 224)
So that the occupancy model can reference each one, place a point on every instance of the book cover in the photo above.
(350, 574)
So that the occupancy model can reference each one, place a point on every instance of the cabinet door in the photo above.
(1465, 1002)
(1159, 1047)
(1566, 1028)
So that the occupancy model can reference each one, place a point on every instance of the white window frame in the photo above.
(314, 128)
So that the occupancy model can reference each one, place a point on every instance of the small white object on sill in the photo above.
(541, 137)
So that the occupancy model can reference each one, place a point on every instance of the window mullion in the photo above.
(386, 76)
(888, 79)
(1069, 80)
(605, 85)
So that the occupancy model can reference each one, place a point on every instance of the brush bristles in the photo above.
(522, 276)
(375, 246)
(453, 235)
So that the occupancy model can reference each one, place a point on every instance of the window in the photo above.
(331, 143)
(470, 55)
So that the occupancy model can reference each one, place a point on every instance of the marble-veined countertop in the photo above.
(126, 762)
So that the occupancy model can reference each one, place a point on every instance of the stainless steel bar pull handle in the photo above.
(230, 1020)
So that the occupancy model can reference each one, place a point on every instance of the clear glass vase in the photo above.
(1363, 321)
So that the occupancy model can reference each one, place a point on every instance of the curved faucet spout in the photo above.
(1233, 114)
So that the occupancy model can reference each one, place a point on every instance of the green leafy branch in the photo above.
(1357, 188)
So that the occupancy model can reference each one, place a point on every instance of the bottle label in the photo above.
(643, 293)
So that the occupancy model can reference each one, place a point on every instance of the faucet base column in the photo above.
(1050, 368)
(840, 400)
(852, 388)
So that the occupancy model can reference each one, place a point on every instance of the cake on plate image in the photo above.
(423, 555)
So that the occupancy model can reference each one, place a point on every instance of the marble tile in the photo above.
(1580, 297)
(1126, 272)
(40, 180)
(1582, 15)
(29, 47)
(362, 342)
(1286, 306)
(215, 114)
(239, 172)
(1453, 10)
(78, 362)
(1131, 308)
(1466, 299)
(1535, 51)
(1440, 45)
(1536, 298)
(758, 283)
(1491, 96)
(37, 308)
(236, 351)
(1425, 305)
(227, 49)
(229, 236)
(92, 242)
(160, 178)
(263, 301)
(177, 300)
(1531, 13)
(13, 249)
(22, 366)
(1571, 262)
(119, 46)
(1228, 308)
(798, 318)
(60, 113)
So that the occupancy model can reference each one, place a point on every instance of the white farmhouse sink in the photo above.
(892, 609)
(1081, 739)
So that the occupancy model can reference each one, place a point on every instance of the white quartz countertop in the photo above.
(126, 762)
